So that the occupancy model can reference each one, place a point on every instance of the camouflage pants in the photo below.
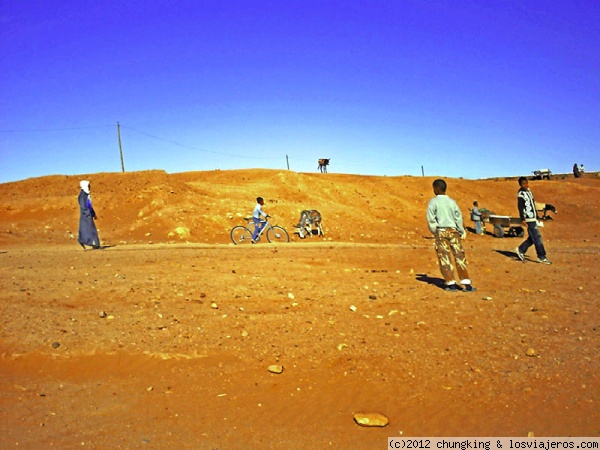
(447, 242)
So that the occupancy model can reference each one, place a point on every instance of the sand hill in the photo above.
(151, 206)
(164, 338)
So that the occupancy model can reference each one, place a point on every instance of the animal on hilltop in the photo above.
(323, 163)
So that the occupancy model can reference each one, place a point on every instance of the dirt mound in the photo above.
(164, 338)
(148, 207)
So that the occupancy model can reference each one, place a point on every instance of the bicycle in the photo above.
(241, 234)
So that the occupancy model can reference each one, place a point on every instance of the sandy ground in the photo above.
(163, 338)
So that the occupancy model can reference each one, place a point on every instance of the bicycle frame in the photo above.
(265, 226)
(273, 233)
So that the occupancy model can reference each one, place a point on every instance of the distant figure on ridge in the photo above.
(445, 222)
(88, 234)
(576, 171)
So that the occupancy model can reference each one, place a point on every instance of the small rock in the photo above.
(370, 419)
(214, 306)
(353, 308)
(275, 368)
(531, 352)
(103, 314)
(291, 296)
(55, 344)
(487, 298)
(183, 232)
(372, 297)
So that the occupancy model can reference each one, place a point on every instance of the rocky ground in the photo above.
(164, 338)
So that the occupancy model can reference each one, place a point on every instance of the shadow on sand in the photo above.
(508, 254)
(434, 281)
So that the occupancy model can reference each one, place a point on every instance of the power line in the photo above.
(179, 144)
(170, 141)
(41, 130)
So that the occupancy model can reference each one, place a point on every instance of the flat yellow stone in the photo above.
(370, 419)
(275, 368)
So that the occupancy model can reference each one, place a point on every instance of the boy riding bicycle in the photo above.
(258, 211)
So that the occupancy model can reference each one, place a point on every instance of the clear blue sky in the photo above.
(464, 88)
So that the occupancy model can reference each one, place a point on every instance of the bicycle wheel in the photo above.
(241, 235)
(277, 234)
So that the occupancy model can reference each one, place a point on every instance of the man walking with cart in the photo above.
(528, 215)
(476, 217)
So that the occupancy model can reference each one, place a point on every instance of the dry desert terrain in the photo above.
(163, 338)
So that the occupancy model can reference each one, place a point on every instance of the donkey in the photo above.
(323, 163)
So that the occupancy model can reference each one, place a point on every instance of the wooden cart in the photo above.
(506, 226)
(542, 174)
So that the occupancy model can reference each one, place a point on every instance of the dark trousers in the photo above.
(534, 237)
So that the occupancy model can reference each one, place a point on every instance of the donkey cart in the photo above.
(513, 225)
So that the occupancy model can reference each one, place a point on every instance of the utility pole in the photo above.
(287, 161)
(422, 171)
(120, 146)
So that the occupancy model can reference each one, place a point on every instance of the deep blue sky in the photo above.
(470, 89)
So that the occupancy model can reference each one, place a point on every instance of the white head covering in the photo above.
(85, 185)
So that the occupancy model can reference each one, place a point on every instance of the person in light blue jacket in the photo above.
(476, 217)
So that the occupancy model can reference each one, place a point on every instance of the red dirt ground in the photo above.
(163, 339)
